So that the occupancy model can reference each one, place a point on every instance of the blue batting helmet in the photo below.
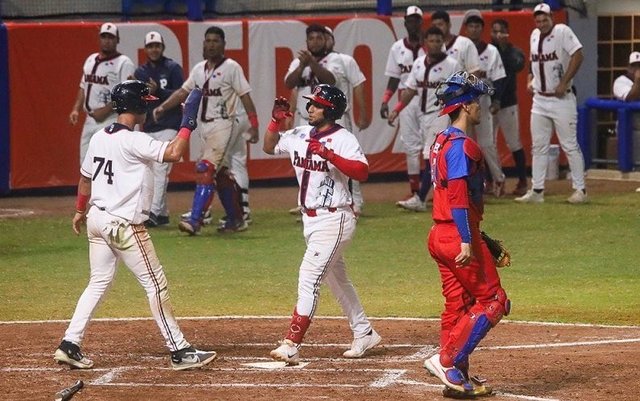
(459, 88)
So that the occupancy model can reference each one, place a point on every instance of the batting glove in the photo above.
(190, 109)
(281, 109)
(318, 148)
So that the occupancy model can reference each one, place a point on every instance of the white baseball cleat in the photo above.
(414, 203)
(451, 377)
(191, 358)
(578, 196)
(207, 219)
(531, 197)
(361, 345)
(287, 352)
(70, 354)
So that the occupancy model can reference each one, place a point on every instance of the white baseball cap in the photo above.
(472, 13)
(634, 58)
(328, 30)
(542, 8)
(153, 37)
(413, 10)
(109, 28)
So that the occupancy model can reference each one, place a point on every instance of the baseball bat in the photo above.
(67, 393)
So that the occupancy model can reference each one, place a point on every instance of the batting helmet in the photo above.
(330, 98)
(131, 96)
(459, 88)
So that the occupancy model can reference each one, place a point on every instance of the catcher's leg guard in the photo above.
(229, 193)
(298, 327)
(205, 188)
(472, 328)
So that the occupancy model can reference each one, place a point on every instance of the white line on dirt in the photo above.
(15, 212)
(500, 393)
(109, 376)
(250, 385)
(388, 378)
(422, 353)
(555, 345)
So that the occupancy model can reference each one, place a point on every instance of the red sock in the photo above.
(298, 327)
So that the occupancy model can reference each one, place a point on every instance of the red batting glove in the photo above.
(317, 148)
(280, 109)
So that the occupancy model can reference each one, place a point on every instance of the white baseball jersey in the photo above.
(330, 62)
(119, 163)
(425, 78)
(221, 86)
(348, 74)
(322, 185)
(491, 62)
(99, 76)
(621, 87)
(400, 60)
(464, 50)
(550, 55)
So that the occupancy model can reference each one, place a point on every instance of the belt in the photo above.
(314, 212)
(547, 94)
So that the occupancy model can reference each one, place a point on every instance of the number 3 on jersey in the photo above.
(102, 162)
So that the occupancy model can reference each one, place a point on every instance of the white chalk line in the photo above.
(500, 393)
(269, 317)
(15, 213)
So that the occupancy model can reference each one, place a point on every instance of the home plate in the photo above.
(275, 365)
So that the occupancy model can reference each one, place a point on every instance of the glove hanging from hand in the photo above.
(190, 109)
(500, 254)
(281, 109)
(317, 148)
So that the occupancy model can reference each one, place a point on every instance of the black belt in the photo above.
(547, 94)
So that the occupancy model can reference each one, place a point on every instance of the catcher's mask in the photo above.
(131, 96)
(330, 98)
(460, 88)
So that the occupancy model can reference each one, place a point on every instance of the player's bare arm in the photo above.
(574, 64)
(102, 113)
(530, 83)
(634, 93)
(174, 100)
(84, 193)
(364, 120)
(406, 97)
(247, 102)
(324, 76)
(77, 106)
(392, 86)
(294, 79)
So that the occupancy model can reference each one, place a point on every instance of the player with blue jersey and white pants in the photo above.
(324, 156)
(117, 183)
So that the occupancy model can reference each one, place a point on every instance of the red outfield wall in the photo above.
(45, 63)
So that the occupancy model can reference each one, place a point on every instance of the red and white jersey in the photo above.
(550, 55)
(348, 74)
(99, 76)
(221, 86)
(464, 50)
(322, 185)
(400, 60)
(491, 62)
(425, 78)
(331, 62)
(119, 164)
(621, 87)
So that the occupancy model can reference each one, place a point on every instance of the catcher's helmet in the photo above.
(330, 98)
(131, 96)
(459, 88)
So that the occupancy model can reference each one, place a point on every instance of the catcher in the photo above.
(474, 299)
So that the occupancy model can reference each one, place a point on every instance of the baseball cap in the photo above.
(328, 30)
(542, 8)
(153, 37)
(634, 58)
(473, 13)
(109, 28)
(413, 10)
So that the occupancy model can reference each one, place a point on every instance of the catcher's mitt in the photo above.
(500, 254)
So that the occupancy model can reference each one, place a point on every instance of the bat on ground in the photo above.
(67, 393)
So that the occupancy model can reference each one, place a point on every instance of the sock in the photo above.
(520, 162)
(425, 184)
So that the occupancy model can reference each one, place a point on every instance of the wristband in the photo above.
(253, 119)
(399, 106)
(387, 96)
(81, 203)
(274, 125)
(184, 133)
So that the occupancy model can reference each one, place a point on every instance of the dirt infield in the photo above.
(523, 361)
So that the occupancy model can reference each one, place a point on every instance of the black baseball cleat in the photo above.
(191, 358)
(69, 353)
(156, 220)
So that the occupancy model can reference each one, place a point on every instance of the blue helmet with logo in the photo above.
(460, 88)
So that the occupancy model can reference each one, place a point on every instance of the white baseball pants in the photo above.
(508, 120)
(486, 138)
(410, 134)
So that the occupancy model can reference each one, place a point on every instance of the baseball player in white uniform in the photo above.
(556, 56)
(324, 156)
(458, 47)
(117, 183)
(224, 85)
(427, 73)
(402, 55)
(494, 75)
(350, 80)
(627, 88)
(100, 73)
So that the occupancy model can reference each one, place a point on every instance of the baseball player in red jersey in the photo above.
(224, 88)
(324, 156)
(117, 182)
(556, 56)
(100, 73)
(474, 299)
